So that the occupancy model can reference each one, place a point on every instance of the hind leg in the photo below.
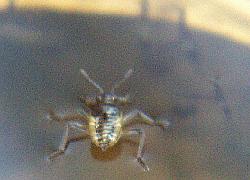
(66, 139)
(142, 135)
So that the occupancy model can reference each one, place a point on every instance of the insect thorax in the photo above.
(105, 126)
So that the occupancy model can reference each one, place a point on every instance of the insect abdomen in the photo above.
(105, 129)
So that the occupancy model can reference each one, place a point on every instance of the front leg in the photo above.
(53, 116)
(128, 118)
(142, 135)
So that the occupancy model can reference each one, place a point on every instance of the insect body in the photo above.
(105, 128)
(105, 124)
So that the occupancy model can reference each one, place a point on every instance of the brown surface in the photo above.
(41, 54)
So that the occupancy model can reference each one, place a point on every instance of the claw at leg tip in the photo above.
(146, 169)
(143, 165)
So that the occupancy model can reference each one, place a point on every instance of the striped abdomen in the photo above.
(105, 128)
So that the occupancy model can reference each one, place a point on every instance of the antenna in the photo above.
(126, 76)
(84, 73)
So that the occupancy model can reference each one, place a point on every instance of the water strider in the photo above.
(106, 123)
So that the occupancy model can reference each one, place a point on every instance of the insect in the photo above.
(105, 124)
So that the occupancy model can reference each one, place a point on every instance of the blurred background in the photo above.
(191, 66)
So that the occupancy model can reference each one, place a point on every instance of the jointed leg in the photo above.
(66, 140)
(144, 118)
(141, 145)
(71, 117)
(78, 126)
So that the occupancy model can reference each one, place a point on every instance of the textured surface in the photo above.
(199, 81)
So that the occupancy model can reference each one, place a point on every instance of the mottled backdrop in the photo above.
(199, 81)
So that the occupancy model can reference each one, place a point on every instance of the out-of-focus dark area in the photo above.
(192, 66)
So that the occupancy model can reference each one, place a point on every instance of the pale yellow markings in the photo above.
(229, 18)
(165, 9)
(4, 4)
(121, 7)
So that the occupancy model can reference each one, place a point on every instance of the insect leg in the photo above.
(53, 116)
(142, 135)
(124, 100)
(66, 139)
(144, 118)
(78, 126)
